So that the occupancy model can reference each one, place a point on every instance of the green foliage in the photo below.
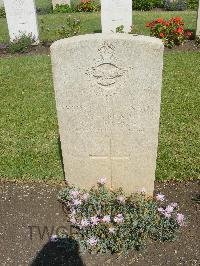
(120, 29)
(109, 221)
(175, 5)
(62, 9)
(88, 6)
(21, 44)
(192, 4)
(44, 7)
(147, 4)
(2, 12)
(71, 27)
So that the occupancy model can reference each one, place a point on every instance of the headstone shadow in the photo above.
(53, 253)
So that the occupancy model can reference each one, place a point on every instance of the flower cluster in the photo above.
(170, 31)
(87, 6)
(109, 221)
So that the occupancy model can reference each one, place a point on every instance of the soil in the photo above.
(26, 208)
(43, 48)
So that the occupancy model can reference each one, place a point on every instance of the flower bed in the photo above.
(171, 31)
(109, 221)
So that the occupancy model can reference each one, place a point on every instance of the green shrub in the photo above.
(87, 6)
(62, 9)
(192, 4)
(44, 6)
(2, 12)
(109, 221)
(71, 27)
(21, 44)
(175, 5)
(147, 4)
(171, 31)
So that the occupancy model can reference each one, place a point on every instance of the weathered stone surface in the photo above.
(198, 22)
(108, 90)
(21, 18)
(60, 2)
(115, 13)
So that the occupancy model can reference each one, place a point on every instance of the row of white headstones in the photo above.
(21, 16)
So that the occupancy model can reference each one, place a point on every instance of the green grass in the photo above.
(91, 22)
(29, 137)
(28, 145)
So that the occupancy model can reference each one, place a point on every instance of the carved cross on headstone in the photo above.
(109, 157)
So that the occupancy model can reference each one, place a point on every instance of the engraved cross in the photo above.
(110, 157)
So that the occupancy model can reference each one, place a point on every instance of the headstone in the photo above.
(21, 18)
(60, 2)
(198, 22)
(116, 13)
(108, 91)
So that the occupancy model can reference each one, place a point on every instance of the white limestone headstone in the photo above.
(198, 22)
(115, 13)
(21, 18)
(108, 91)
(60, 2)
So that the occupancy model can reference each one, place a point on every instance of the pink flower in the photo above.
(106, 219)
(72, 220)
(180, 218)
(160, 197)
(112, 230)
(54, 238)
(121, 199)
(102, 181)
(167, 215)
(119, 218)
(94, 220)
(84, 223)
(161, 210)
(72, 211)
(74, 193)
(92, 241)
(174, 204)
(85, 196)
(169, 209)
(76, 202)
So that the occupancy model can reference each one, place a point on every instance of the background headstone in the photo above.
(198, 22)
(21, 18)
(108, 90)
(60, 2)
(115, 13)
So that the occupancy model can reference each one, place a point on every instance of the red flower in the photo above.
(167, 24)
(148, 24)
(180, 30)
(159, 20)
(162, 35)
(178, 19)
(188, 33)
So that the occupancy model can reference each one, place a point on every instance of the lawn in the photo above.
(29, 136)
(90, 23)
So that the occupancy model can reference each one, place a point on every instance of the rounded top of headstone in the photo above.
(139, 39)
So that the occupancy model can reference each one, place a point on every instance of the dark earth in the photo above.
(43, 48)
(27, 207)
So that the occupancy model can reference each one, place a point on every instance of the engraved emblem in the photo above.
(106, 73)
